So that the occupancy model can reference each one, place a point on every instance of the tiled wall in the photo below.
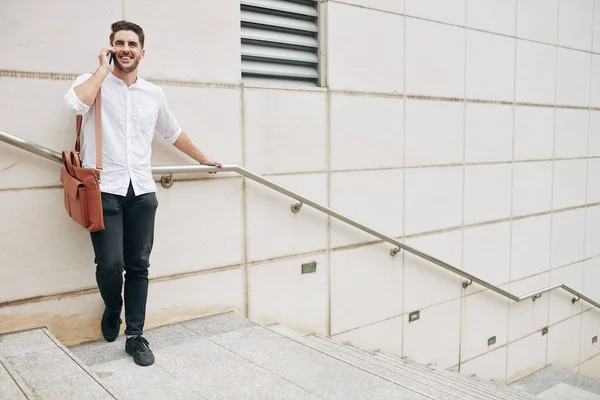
(467, 128)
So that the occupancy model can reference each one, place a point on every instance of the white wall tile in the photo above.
(205, 39)
(434, 338)
(492, 15)
(487, 253)
(592, 232)
(596, 35)
(593, 185)
(284, 129)
(563, 343)
(590, 327)
(595, 99)
(490, 366)
(213, 123)
(435, 58)
(194, 297)
(569, 183)
(573, 71)
(560, 304)
(297, 301)
(32, 36)
(526, 356)
(490, 66)
(567, 237)
(487, 192)
(384, 5)
(373, 198)
(43, 100)
(536, 72)
(530, 250)
(537, 20)
(375, 60)
(534, 133)
(591, 277)
(438, 140)
(484, 315)
(576, 23)
(385, 336)
(591, 368)
(203, 221)
(572, 128)
(532, 187)
(433, 199)
(366, 281)
(488, 133)
(451, 11)
(43, 250)
(426, 284)
(354, 118)
(594, 138)
(528, 316)
(273, 230)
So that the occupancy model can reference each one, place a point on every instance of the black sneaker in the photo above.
(111, 324)
(138, 347)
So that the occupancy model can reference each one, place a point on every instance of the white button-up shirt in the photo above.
(130, 117)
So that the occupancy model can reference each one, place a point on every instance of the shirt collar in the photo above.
(119, 81)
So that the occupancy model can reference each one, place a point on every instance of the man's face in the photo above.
(128, 51)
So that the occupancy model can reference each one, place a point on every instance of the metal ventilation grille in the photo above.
(279, 41)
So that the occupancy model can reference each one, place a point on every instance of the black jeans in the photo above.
(125, 244)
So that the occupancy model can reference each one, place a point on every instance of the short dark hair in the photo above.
(127, 26)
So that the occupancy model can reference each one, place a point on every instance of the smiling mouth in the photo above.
(125, 58)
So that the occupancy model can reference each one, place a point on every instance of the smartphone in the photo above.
(112, 55)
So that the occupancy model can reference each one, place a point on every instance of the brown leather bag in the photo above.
(83, 200)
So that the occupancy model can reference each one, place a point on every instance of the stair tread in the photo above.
(549, 377)
(324, 376)
(564, 391)
(47, 368)
(9, 389)
(210, 369)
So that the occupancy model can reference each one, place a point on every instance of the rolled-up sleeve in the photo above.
(72, 101)
(166, 124)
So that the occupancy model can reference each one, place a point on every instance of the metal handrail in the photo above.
(172, 169)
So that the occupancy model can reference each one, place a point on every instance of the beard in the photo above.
(131, 67)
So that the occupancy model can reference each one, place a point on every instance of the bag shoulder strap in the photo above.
(98, 107)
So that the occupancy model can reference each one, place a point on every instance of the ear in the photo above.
(142, 54)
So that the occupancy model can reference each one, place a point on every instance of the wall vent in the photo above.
(280, 42)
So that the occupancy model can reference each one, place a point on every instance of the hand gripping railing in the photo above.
(167, 180)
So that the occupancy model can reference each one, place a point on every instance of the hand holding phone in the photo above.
(107, 54)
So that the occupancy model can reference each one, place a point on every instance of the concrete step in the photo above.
(188, 366)
(564, 391)
(464, 380)
(9, 388)
(420, 384)
(445, 381)
(318, 373)
(550, 382)
(42, 368)
(443, 376)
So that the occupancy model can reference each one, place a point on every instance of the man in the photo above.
(132, 111)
